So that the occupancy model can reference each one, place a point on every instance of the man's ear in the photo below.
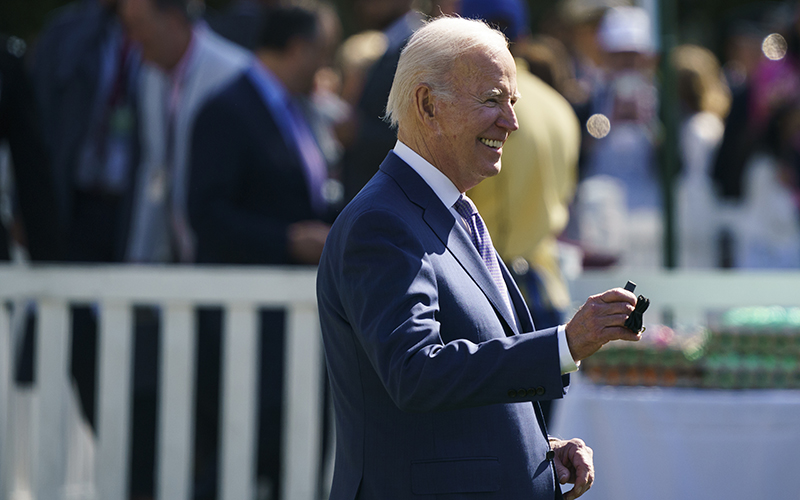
(425, 105)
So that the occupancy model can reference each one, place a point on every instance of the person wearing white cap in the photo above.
(626, 29)
(629, 99)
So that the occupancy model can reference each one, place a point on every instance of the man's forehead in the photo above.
(482, 56)
(487, 76)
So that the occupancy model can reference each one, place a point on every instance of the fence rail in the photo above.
(682, 296)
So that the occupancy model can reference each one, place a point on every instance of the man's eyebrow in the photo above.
(493, 93)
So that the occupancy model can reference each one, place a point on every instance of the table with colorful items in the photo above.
(707, 412)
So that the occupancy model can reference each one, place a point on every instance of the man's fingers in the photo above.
(582, 484)
(602, 319)
(615, 311)
(616, 319)
(618, 295)
(584, 475)
(581, 467)
(628, 335)
(622, 333)
(574, 493)
(562, 471)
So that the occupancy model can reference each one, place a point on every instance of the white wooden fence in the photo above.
(177, 290)
(241, 291)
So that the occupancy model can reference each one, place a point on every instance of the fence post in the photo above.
(240, 362)
(6, 376)
(302, 409)
(176, 404)
(50, 433)
(114, 399)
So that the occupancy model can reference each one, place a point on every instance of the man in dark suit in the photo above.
(35, 220)
(250, 198)
(84, 66)
(436, 370)
(256, 197)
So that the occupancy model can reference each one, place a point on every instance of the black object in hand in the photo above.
(635, 320)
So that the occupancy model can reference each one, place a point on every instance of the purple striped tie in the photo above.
(483, 243)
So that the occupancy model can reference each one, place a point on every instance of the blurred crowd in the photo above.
(735, 192)
(156, 131)
(112, 160)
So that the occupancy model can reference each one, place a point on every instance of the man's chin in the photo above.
(491, 172)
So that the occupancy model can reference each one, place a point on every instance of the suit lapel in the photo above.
(453, 234)
(517, 300)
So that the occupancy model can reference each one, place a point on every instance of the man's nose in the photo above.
(508, 119)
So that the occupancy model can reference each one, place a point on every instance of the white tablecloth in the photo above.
(684, 444)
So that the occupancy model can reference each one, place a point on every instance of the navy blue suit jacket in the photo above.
(246, 185)
(432, 382)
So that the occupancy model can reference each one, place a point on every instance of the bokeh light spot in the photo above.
(598, 126)
(774, 47)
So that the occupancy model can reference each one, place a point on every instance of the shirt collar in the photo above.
(178, 76)
(178, 73)
(444, 188)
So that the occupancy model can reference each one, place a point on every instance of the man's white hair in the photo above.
(429, 58)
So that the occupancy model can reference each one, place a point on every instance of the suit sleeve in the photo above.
(388, 285)
(226, 233)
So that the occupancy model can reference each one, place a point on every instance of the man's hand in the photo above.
(600, 320)
(306, 239)
(574, 464)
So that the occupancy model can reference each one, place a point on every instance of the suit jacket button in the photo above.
(512, 393)
(532, 392)
(540, 391)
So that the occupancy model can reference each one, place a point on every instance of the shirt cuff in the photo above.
(568, 365)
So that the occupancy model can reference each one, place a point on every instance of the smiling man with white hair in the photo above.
(435, 367)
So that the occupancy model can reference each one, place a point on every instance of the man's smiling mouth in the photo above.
(492, 143)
